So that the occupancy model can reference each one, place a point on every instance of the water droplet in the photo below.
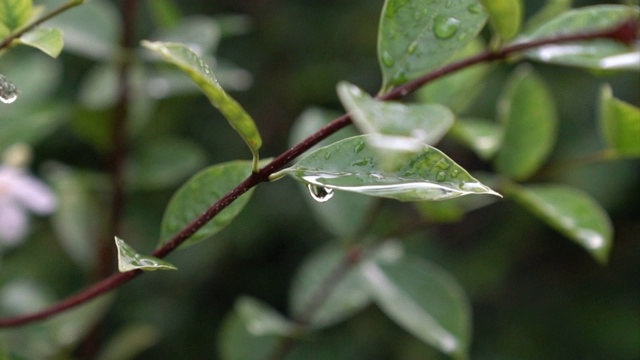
(387, 59)
(475, 8)
(443, 164)
(442, 176)
(445, 26)
(412, 48)
(448, 5)
(320, 193)
(361, 162)
(455, 173)
(359, 147)
(417, 15)
(8, 91)
(327, 155)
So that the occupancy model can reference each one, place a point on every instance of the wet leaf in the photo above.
(424, 300)
(480, 135)
(620, 124)
(189, 62)
(527, 110)
(261, 319)
(550, 10)
(505, 16)
(129, 259)
(348, 297)
(15, 13)
(602, 54)
(416, 36)
(49, 41)
(570, 211)
(198, 194)
(354, 166)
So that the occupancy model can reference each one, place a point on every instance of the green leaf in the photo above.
(4, 31)
(31, 126)
(416, 36)
(130, 342)
(595, 54)
(49, 41)
(424, 300)
(395, 126)
(260, 319)
(527, 110)
(198, 194)
(163, 162)
(480, 135)
(620, 124)
(550, 10)
(459, 89)
(348, 297)
(181, 56)
(165, 13)
(15, 13)
(570, 211)
(505, 16)
(352, 165)
(8, 90)
(129, 259)
(236, 342)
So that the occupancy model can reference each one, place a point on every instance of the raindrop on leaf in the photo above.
(8, 91)
(445, 26)
(319, 193)
(387, 59)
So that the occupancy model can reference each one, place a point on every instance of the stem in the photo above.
(624, 32)
(55, 12)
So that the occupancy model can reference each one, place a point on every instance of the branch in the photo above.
(626, 32)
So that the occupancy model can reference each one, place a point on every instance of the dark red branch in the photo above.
(625, 32)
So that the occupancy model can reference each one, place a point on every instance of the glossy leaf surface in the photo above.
(480, 135)
(416, 36)
(348, 297)
(129, 259)
(424, 300)
(505, 16)
(15, 13)
(620, 124)
(596, 54)
(352, 165)
(527, 110)
(261, 319)
(49, 41)
(571, 212)
(395, 126)
(198, 194)
(201, 74)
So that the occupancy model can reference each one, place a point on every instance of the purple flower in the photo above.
(21, 193)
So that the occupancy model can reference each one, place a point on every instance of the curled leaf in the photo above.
(129, 259)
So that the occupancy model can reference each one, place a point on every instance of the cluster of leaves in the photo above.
(394, 158)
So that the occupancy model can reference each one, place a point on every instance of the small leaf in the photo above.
(49, 41)
(459, 89)
(348, 296)
(505, 16)
(198, 194)
(572, 212)
(260, 319)
(620, 124)
(595, 54)
(201, 74)
(424, 300)
(15, 13)
(480, 135)
(129, 259)
(416, 36)
(393, 125)
(352, 165)
(527, 110)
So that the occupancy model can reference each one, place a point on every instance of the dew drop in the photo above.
(387, 59)
(359, 147)
(455, 173)
(474, 8)
(8, 91)
(412, 48)
(442, 176)
(327, 155)
(445, 26)
(320, 193)
(361, 162)
(442, 164)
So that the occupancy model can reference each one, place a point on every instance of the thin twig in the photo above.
(625, 32)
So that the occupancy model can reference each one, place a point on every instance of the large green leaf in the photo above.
(184, 58)
(31, 126)
(550, 10)
(347, 297)
(417, 36)
(424, 300)
(49, 41)
(237, 342)
(596, 54)
(505, 16)
(570, 211)
(459, 89)
(395, 126)
(15, 13)
(129, 259)
(198, 194)
(480, 135)
(352, 165)
(528, 113)
(620, 124)
(261, 319)
(129, 342)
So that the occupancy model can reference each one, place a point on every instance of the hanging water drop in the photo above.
(387, 59)
(455, 173)
(442, 176)
(8, 91)
(445, 26)
(320, 193)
